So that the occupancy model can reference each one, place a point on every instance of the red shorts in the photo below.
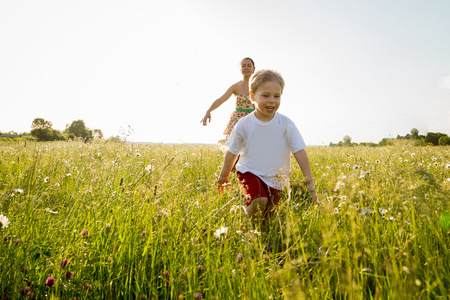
(253, 187)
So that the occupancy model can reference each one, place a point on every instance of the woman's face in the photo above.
(247, 67)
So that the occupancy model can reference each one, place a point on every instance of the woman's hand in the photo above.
(206, 119)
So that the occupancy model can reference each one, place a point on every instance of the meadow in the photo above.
(130, 221)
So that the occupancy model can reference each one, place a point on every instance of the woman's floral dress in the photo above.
(244, 106)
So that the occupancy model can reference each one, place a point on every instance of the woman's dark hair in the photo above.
(253, 63)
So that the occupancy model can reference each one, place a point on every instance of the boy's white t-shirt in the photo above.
(265, 147)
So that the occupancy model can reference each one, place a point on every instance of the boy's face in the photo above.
(267, 100)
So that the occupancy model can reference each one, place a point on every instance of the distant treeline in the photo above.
(430, 139)
(42, 130)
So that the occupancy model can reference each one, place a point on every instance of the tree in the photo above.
(97, 134)
(58, 135)
(433, 138)
(42, 129)
(79, 129)
(40, 123)
(444, 140)
(347, 140)
(415, 133)
(385, 142)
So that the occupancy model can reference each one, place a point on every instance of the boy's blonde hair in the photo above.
(262, 76)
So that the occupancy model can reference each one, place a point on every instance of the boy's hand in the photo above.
(222, 182)
(312, 190)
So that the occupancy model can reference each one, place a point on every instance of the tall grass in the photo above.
(140, 221)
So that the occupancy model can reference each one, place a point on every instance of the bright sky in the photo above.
(368, 69)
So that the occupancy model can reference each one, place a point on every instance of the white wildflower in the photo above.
(363, 174)
(20, 191)
(255, 232)
(49, 211)
(235, 208)
(163, 212)
(383, 211)
(46, 179)
(149, 168)
(338, 185)
(4, 221)
(365, 211)
(221, 231)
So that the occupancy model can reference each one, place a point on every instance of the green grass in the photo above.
(139, 221)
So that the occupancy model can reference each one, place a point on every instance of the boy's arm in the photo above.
(228, 164)
(303, 161)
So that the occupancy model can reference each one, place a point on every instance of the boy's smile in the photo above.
(267, 100)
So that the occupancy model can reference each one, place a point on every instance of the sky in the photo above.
(368, 69)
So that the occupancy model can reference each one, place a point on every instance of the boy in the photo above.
(264, 140)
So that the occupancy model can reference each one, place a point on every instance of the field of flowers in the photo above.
(112, 220)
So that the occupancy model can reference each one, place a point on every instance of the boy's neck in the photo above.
(263, 118)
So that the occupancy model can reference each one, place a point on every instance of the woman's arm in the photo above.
(218, 102)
